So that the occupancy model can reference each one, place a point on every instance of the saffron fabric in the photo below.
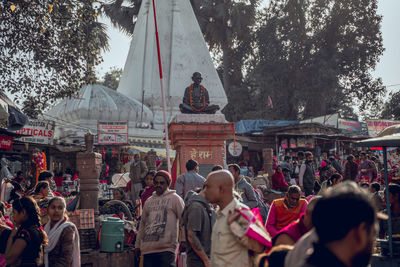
(295, 230)
(280, 215)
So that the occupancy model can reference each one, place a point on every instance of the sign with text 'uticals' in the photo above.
(41, 131)
(6, 142)
(112, 132)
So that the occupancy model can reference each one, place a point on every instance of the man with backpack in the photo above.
(198, 218)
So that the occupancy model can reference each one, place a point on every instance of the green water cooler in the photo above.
(112, 235)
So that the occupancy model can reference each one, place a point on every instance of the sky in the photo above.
(388, 68)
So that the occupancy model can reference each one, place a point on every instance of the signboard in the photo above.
(112, 132)
(6, 142)
(41, 131)
(349, 125)
(235, 149)
(330, 120)
(376, 126)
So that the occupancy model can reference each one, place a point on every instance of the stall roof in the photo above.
(384, 141)
(4, 131)
(250, 126)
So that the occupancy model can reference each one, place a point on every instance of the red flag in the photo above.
(270, 104)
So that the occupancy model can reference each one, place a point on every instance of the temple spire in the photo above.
(183, 51)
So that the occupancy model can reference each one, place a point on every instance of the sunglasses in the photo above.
(160, 183)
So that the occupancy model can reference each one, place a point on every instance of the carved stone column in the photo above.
(89, 167)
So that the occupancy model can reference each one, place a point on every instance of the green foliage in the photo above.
(391, 109)
(228, 27)
(48, 49)
(315, 57)
(122, 14)
(111, 78)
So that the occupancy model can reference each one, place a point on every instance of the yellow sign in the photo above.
(201, 154)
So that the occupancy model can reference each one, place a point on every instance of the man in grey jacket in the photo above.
(190, 180)
(307, 175)
(245, 190)
(138, 171)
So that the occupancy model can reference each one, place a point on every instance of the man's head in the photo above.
(287, 158)
(345, 217)
(375, 187)
(300, 155)
(235, 170)
(293, 196)
(363, 156)
(192, 165)
(218, 187)
(45, 176)
(216, 168)
(162, 180)
(309, 156)
(136, 157)
(196, 78)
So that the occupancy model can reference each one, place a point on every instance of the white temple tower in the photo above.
(183, 51)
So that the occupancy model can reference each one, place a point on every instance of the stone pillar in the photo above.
(268, 154)
(89, 167)
(152, 155)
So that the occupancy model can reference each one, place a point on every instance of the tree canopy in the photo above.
(315, 58)
(48, 49)
(111, 78)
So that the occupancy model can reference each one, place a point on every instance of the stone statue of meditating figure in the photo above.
(196, 99)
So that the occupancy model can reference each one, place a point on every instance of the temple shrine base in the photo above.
(200, 137)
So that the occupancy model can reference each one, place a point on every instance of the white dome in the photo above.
(97, 102)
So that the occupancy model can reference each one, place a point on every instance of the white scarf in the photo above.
(54, 235)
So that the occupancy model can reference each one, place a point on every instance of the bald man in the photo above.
(229, 244)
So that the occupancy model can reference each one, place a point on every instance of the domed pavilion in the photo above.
(76, 116)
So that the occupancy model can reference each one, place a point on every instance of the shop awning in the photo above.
(384, 141)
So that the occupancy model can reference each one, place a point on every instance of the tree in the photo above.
(391, 108)
(122, 14)
(48, 50)
(315, 57)
(111, 78)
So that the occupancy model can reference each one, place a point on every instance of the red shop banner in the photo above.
(6, 142)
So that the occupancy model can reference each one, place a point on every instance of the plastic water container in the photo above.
(112, 235)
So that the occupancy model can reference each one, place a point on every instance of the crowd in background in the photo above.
(224, 219)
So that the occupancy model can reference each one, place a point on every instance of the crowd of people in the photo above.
(327, 216)
(38, 232)
(325, 212)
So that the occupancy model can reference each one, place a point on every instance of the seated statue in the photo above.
(196, 99)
